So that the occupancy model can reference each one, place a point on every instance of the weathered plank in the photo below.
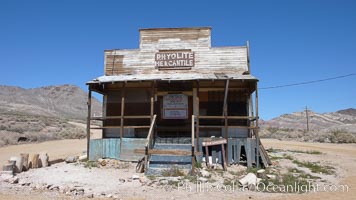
(214, 142)
(96, 149)
(128, 147)
(237, 151)
(213, 155)
(230, 152)
(111, 148)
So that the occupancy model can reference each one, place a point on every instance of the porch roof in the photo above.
(177, 76)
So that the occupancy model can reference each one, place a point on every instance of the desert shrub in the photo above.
(16, 128)
(315, 167)
(2, 143)
(9, 138)
(3, 127)
(173, 172)
(341, 136)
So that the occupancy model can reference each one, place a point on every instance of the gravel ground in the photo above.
(118, 180)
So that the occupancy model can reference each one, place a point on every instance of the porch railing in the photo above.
(149, 142)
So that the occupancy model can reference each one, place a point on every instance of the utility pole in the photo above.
(307, 115)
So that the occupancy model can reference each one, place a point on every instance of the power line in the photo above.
(308, 82)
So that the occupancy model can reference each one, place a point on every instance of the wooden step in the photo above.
(166, 152)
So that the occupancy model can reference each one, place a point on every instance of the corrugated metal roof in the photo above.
(170, 76)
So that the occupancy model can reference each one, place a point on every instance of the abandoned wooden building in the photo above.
(177, 100)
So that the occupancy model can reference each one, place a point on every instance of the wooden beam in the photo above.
(105, 127)
(225, 105)
(137, 117)
(152, 100)
(169, 152)
(165, 152)
(248, 56)
(223, 156)
(225, 115)
(193, 144)
(221, 126)
(125, 117)
(88, 122)
(228, 117)
(198, 115)
(207, 156)
(256, 130)
(251, 113)
(122, 112)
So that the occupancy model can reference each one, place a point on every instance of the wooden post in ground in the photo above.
(207, 156)
(34, 161)
(25, 157)
(197, 119)
(88, 121)
(223, 157)
(193, 144)
(257, 129)
(225, 114)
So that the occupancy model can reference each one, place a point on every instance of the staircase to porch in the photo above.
(165, 153)
(162, 157)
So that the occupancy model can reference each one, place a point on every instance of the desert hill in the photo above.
(45, 113)
(339, 126)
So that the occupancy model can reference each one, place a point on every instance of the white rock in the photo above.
(202, 179)
(71, 159)
(163, 182)
(261, 173)
(82, 158)
(135, 177)
(18, 163)
(249, 179)
(204, 173)
(43, 159)
(271, 176)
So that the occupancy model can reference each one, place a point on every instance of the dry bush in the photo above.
(15, 128)
(341, 136)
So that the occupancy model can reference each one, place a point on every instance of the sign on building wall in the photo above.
(175, 106)
(172, 60)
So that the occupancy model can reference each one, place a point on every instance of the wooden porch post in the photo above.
(152, 100)
(88, 121)
(225, 115)
(257, 128)
(197, 122)
(122, 112)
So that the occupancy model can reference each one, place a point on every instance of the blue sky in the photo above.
(58, 42)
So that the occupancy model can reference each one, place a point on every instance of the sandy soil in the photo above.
(55, 149)
(342, 156)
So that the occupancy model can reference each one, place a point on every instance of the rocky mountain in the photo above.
(64, 101)
(322, 126)
(349, 111)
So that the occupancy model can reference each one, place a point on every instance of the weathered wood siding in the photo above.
(198, 40)
(175, 38)
(110, 148)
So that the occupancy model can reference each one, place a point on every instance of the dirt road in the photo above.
(339, 155)
(55, 149)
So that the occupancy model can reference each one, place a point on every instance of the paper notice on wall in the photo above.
(175, 106)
